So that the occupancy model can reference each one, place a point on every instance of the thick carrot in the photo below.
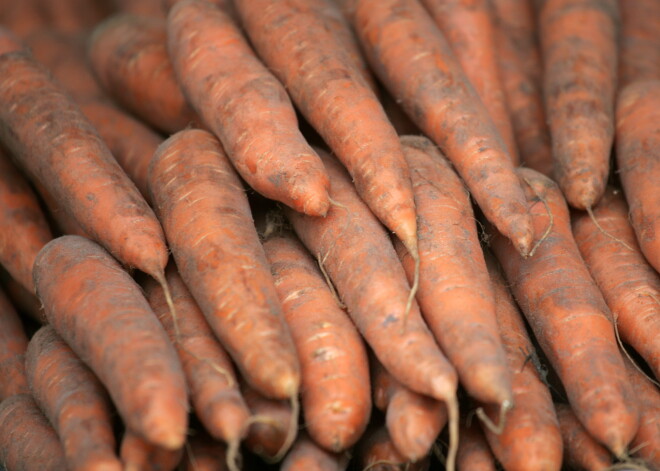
(334, 367)
(629, 285)
(639, 43)
(212, 383)
(569, 317)
(376, 452)
(73, 16)
(27, 441)
(638, 157)
(413, 421)
(129, 56)
(61, 219)
(412, 57)
(25, 301)
(245, 106)
(140, 455)
(455, 293)
(578, 45)
(204, 454)
(469, 26)
(581, 451)
(296, 41)
(74, 402)
(473, 451)
(23, 226)
(306, 455)
(13, 343)
(209, 226)
(99, 310)
(530, 439)
(646, 444)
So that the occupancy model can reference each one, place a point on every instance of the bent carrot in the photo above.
(376, 452)
(581, 451)
(245, 106)
(646, 443)
(306, 455)
(13, 343)
(639, 45)
(97, 308)
(140, 455)
(74, 402)
(570, 319)
(473, 451)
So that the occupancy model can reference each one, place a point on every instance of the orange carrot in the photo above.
(25, 302)
(473, 451)
(74, 402)
(13, 343)
(99, 310)
(8, 41)
(204, 454)
(646, 443)
(245, 106)
(306, 455)
(334, 366)
(412, 57)
(581, 451)
(638, 157)
(139, 455)
(23, 18)
(62, 220)
(376, 452)
(639, 43)
(578, 45)
(569, 318)
(225, 5)
(629, 285)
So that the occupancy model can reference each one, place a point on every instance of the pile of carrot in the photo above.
(329, 235)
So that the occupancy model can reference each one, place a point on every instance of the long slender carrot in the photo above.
(569, 318)
(99, 310)
(334, 367)
(306, 455)
(578, 45)
(204, 454)
(74, 402)
(646, 443)
(27, 441)
(245, 106)
(376, 452)
(13, 343)
(140, 455)
(412, 57)
(23, 226)
(581, 451)
(638, 157)
(629, 285)
(473, 451)
(639, 44)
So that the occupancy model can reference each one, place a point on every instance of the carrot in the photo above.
(414, 60)
(581, 451)
(376, 452)
(639, 45)
(578, 45)
(306, 455)
(245, 106)
(334, 366)
(129, 56)
(530, 439)
(62, 220)
(413, 421)
(140, 455)
(26, 302)
(27, 441)
(97, 308)
(570, 319)
(372, 284)
(148, 8)
(13, 343)
(8, 41)
(23, 227)
(204, 454)
(629, 285)
(455, 294)
(473, 451)
(295, 39)
(225, 5)
(23, 18)
(638, 157)
(73, 16)
(74, 402)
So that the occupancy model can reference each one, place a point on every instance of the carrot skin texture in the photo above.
(24, 301)
(581, 451)
(629, 285)
(306, 455)
(209, 226)
(638, 158)
(647, 440)
(229, 87)
(639, 44)
(98, 309)
(204, 454)
(294, 38)
(570, 319)
(13, 343)
(23, 226)
(377, 452)
(140, 455)
(365, 273)
(9, 42)
(74, 402)
(578, 44)
(27, 441)
(455, 294)
(473, 451)
(398, 37)
(214, 394)
(334, 367)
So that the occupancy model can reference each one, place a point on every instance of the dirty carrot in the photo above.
(639, 44)
(25, 301)
(376, 452)
(473, 451)
(306, 455)
(140, 455)
(581, 451)
(13, 343)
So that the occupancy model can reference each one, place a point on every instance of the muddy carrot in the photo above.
(306, 455)
(473, 451)
(24, 301)
(13, 343)
(646, 444)
(581, 451)
(376, 452)
(140, 455)
(639, 44)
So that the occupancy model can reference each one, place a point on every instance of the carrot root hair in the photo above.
(551, 221)
(162, 281)
(490, 425)
(293, 429)
(328, 281)
(453, 415)
(413, 289)
(625, 352)
(233, 458)
(379, 462)
(604, 232)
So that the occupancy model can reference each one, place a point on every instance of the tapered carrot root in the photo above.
(578, 42)
(334, 366)
(414, 60)
(473, 451)
(332, 94)
(99, 310)
(638, 157)
(213, 387)
(209, 226)
(581, 451)
(13, 343)
(306, 455)
(455, 294)
(204, 454)
(27, 441)
(230, 89)
(74, 402)
(23, 227)
(129, 56)
(570, 319)
(629, 285)
(376, 452)
(139, 455)
(639, 44)
(646, 443)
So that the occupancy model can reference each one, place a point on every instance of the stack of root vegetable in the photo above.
(329, 234)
